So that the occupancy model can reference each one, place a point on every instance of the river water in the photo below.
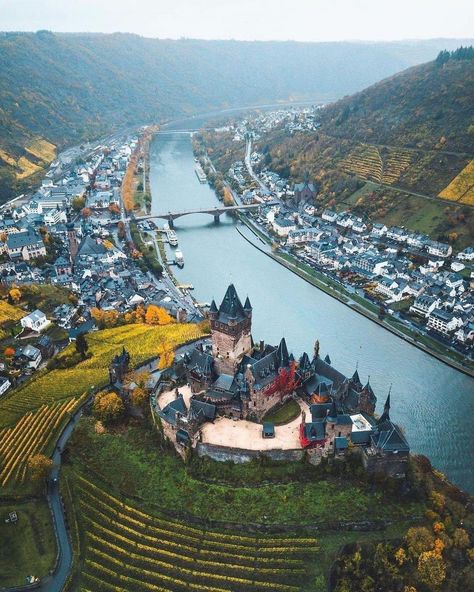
(433, 403)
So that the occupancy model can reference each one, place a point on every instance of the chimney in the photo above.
(262, 345)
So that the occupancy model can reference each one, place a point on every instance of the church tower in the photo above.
(231, 326)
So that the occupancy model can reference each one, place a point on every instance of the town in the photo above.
(420, 282)
(72, 234)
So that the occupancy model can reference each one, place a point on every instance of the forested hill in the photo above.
(65, 87)
(429, 106)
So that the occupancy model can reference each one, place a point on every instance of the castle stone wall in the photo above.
(241, 455)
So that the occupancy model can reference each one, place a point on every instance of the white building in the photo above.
(36, 321)
(5, 384)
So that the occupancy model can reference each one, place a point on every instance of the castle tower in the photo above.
(231, 326)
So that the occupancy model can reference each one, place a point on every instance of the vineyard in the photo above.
(368, 163)
(126, 549)
(461, 188)
(9, 312)
(394, 165)
(142, 341)
(365, 162)
(30, 435)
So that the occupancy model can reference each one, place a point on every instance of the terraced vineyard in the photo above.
(461, 188)
(30, 436)
(395, 164)
(365, 162)
(384, 166)
(142, 342)
(126, 549)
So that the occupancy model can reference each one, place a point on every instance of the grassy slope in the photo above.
(129, 464)
(129, 461)
(27, 547)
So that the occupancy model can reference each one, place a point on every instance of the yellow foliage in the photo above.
(7, 158)
(26, 167)
(461, 188)
(42, 149)
(9, 312)
(140, 340)
(155, 315)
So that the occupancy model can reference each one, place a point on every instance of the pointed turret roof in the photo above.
(231, 307)
(247, 305)
(213, 307)
(282, 354)
(386, 411)
(327, 359)
(356, 379)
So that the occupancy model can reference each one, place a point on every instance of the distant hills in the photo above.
(58, 89)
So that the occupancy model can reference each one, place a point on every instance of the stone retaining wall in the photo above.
(241, 455)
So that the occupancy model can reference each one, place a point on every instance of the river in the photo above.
(433, 403)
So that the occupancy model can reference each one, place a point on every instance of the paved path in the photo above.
(56, 581)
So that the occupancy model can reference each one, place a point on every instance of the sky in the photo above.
(300, 20)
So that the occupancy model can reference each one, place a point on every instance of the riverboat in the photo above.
(179, 259)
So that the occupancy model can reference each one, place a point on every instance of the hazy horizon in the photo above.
(246, 20)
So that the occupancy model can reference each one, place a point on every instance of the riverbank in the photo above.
(350, 300)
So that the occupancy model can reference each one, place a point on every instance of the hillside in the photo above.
(57, 89)
(400, 151)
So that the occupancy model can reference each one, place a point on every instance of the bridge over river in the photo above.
(216, 212)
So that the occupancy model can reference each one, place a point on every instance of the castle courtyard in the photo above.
(242, 433)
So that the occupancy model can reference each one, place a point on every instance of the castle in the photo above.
(235, 378)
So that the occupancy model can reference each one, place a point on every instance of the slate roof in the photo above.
(174, 408)
(231, 308)
(201, 411)
(389, 438)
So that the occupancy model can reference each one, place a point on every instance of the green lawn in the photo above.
(284, 414)
(27, 547)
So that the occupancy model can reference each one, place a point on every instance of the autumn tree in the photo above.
(9, 352)
(14, 295)
(431, 569)
(108, 407)
(114, 208)
(121, 230)
(419, 539)
(139, 397)
(78, 203)
(39, 467)
(166, 356)
(155, 315)
(460, 538)
(228, 197)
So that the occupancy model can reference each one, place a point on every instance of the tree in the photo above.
(121, 230)
(139, 397)
(81, 345)
(9, 352)
(418, 540)
(114, 208)
(15, 295)
(78, 203)
(108, 407)
(431, 568)
(155, 315)
(86, 213)
(166, 356)
(460, 538)
(39, 467)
